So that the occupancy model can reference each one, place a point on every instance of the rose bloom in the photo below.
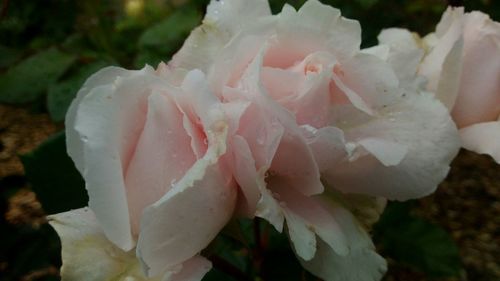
(281, 117)
(462, 64)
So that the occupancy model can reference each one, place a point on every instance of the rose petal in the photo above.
(482, 138)
(479, 96)
(109, 120)
(162, 156)
(449, 32)
(87, 254)
(103, 77)
(303, 174)
(319, 27)
(425, 130)
(331, 266)
(223, 20)
(190, 215)
(306, 218)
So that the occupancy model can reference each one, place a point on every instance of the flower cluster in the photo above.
(281, 117)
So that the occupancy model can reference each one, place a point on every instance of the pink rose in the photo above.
(146, 147)
(462, 65)
(292, 123)
(318, 107)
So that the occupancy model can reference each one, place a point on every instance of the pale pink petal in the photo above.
(378, 86)
(246, 176)
(190, 215)
(482, 138)
(328, 146)
(330, 266)
(224, 19)
(306, 218)
(418, 125)
(187, 218)
(449, 31)
(319, 27)
(449, 82)
(162, 156)
(109, 121)
(103, 77)
(303, 174)
(479, 96)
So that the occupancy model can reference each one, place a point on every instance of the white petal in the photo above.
(87, 254)
(449, 31)
(224, 19)
(421, 125)
(306, 218)
(362, 263)
(483, 138)
(73, 141)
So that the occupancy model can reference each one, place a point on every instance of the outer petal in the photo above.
(330, 266)
(73, 141)
(162, 156)
(420, 125)
(483, 138)
(88, 255)
(189, 216)
(449, 31)
(479, 96)
(319, 27)
(224, 19)
(306, 218)
(108, 122)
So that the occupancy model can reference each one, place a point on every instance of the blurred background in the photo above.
(49, 47)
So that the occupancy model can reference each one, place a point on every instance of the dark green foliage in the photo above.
(27, 80)
(416, 242)
(53, 176)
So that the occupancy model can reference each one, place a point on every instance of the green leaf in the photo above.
(171, 30)
(61, 94)
(161, 40)
(26, 81)
(53, 176)
(8, 56)
(417, 243)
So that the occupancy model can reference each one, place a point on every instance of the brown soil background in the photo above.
(467, 204)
